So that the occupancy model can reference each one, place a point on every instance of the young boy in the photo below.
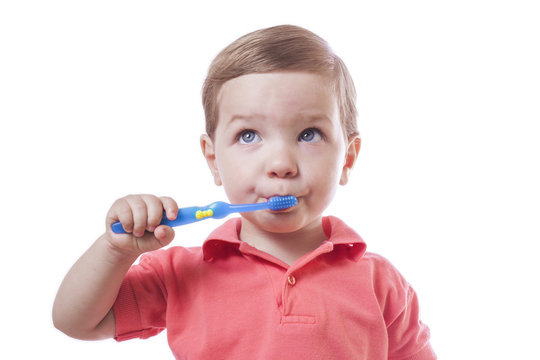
(290, 284)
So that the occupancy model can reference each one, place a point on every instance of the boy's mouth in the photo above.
(281, 210)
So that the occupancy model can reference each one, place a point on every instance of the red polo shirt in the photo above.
(228, 300)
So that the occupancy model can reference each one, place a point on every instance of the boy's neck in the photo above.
(287, 247)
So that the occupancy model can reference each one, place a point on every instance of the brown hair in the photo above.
(279, 48)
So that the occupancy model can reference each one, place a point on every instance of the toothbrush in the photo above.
(218, 210)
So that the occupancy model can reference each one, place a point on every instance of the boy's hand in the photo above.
(140, 216)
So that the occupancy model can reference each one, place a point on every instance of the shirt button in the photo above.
(291, 280)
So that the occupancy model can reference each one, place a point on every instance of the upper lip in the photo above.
(268, 197)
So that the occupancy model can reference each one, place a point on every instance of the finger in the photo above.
(121, 211)
(140, 214)
(170, 206)
(154, 209)
(164, 234)
(151, 241)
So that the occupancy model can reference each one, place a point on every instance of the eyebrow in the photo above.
(236, 118)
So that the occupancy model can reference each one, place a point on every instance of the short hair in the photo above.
(274, 49)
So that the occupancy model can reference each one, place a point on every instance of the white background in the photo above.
(100, 99)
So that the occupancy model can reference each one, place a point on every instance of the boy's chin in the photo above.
(277, 222)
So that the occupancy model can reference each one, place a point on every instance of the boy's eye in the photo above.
(310, 135)
(248, 137)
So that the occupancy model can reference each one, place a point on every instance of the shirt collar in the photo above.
(222, 239)
(225, 239)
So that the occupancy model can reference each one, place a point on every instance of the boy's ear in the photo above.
(350, 159)
(209, 153)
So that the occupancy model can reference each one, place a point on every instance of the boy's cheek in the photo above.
(235, 188)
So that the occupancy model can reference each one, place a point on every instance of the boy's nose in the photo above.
(281, 163)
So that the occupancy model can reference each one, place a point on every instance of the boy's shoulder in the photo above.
(389, 285)
(381, 266)
(172, 257)
(378, 260)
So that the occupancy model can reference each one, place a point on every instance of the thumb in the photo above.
(164, 234)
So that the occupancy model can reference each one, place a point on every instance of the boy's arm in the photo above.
(83, 304)
(82, 308)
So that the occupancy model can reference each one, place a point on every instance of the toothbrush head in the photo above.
(282, 202)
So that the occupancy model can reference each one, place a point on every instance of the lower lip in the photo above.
(282, 210)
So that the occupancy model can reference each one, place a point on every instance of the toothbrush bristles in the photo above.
(282, 202)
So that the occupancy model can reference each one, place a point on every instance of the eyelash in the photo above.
(244, 131)
(316, 130)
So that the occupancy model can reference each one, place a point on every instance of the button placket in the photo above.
(288, 287)
(290, 296)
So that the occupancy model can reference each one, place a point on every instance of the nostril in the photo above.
(283, 174)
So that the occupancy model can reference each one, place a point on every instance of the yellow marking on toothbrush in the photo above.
(201, 214)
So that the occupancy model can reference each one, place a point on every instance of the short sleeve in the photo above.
(408, 337)
(140, 308)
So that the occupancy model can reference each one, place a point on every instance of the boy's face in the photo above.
(280, 134)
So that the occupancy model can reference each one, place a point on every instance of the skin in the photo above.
(277, 134)
(280, 134)
(83, 305)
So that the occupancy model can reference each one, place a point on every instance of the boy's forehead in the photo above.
(281, 102)
(270, 92)
(285, 78)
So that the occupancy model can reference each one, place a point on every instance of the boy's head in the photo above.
(281, 121)
(278, 49)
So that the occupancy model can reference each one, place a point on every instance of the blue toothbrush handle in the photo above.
(117, 228)
(187, 215)
(217, 210)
